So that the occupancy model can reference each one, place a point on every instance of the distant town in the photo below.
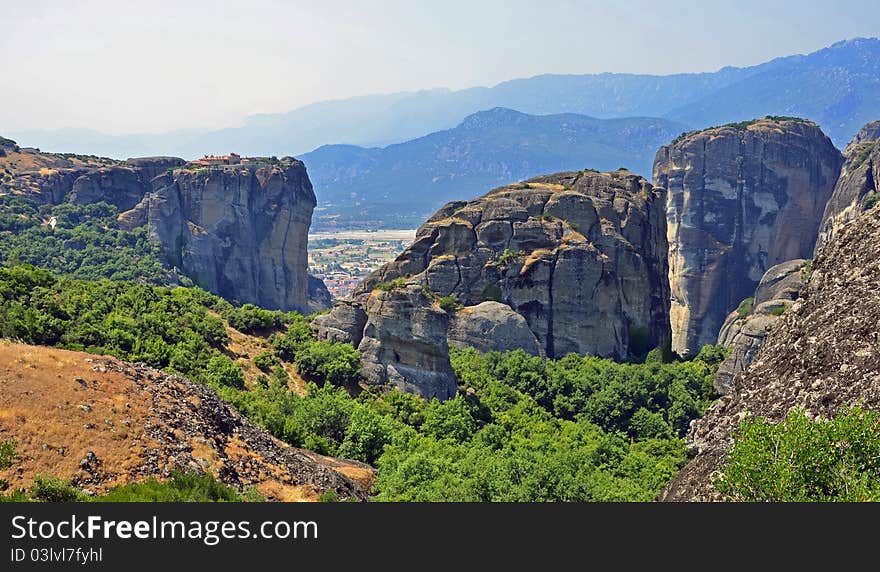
(343, 259)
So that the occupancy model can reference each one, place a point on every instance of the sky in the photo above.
(123, 67)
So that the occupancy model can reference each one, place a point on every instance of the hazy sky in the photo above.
(120, 66)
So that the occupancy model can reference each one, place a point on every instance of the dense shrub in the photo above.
(803, 460)
(599, 390)
(338, 364)
(181, 487)
(85, 242)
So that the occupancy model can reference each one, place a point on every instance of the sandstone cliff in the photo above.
(239, 231)
(820, 355)
(741, 198)
(576, 260)
(98, 422)
(857, 185)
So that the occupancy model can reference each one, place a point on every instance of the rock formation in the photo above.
(740, 199)
(744, 330)
(578, 257)
(122, 186)
(49, 178)
(404, 343)
(821, 355)
(239, 231)
(857, 186)
(492, 326)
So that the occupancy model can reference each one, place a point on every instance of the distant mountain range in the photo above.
(400, 185)
(836, 87)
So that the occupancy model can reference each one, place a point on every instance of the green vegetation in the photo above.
(396, 284)
(337, 364)
(508, 255)
(85, 242)
(601, 391)
(181, 487)
(249, 318)
(806, 272)
(7, 457)
(778, 311)
(802, 460)
(4, 142)
(745, 308)
(863, 155)
(525, 428)
(449, 304)
(784, 118)
(871, 199)
(172, 328)
(492, 293)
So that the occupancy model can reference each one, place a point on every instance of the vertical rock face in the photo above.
(857, 185)
(571, 262)
(740, 199)
(239, 231)
(404, 344)
(821, 355)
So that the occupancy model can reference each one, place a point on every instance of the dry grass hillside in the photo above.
(98, 422)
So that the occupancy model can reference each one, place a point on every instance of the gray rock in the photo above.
(858, 181)
(491, 326)
(239, 231)
(777, 290)
(741, 198)
(404, 344)
(345, 323)
(578, 258)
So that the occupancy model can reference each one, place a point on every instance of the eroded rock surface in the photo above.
(239, 231)
(857, 185)
(820, 355)
(579, 257)
(780, 286)
(741, 198)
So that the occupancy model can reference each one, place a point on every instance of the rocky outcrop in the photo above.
(821, 355)
(579, 257)
(98, 422)
(122, 186)
(491, 326)
(740, 199)
(239, 231)
(857, 185)
(404, 343)
(49, 178)
(744, 331)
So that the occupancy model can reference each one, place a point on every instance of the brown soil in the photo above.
(98, 422)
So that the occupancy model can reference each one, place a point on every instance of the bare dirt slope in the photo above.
(99, 422)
